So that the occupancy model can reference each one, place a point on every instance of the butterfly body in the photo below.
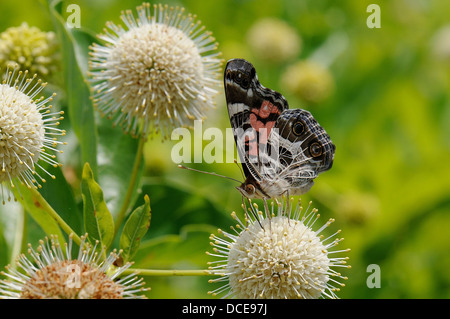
(281, 150)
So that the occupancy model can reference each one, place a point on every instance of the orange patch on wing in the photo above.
(260, 127)
(263, 130)
(253, 148)
(266, 109)
(250, 141)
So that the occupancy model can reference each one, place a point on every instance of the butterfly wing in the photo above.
(253, 111)
(304, 149)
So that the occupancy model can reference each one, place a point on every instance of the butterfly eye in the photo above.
(250, 189)
(298, 128)
(315, 149)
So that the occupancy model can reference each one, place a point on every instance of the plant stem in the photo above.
(46, 206)
(131, 185)
(171, 272)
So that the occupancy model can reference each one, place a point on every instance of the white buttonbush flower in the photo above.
(277, 255)
(28, 131)
(156, 73)
(53, 274)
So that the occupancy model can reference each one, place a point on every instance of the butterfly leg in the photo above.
(288, 206)
(268, 213)
(245, 210)
(255, 214)
(284, 195)
(266, 207)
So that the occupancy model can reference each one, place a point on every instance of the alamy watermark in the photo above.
(74, 19)
(374, 19)
(221, 146)
(374, 279)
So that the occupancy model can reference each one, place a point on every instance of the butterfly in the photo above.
(281, 150)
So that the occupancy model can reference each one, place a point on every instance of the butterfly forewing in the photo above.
(253, 111)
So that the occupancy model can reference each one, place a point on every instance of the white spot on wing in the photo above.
(235, 108)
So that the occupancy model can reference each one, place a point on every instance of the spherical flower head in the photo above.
(28, 131)
(30, 48)
(53, 274)
(277, 256)
(156, 73)
(274, 40)
(310, 81)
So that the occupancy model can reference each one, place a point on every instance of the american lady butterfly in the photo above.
(281, 150)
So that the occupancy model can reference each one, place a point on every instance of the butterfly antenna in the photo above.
(240, 169)
(209, 173)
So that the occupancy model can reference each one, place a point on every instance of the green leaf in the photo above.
(187, 247)
(12, 232)
(182, 206)
(74, 48)
(59, 195)
(4, 249)
(98, 221)
(38, 208)
(118, 152)
(135, 229)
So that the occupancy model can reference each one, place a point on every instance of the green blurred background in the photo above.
(385, 105)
